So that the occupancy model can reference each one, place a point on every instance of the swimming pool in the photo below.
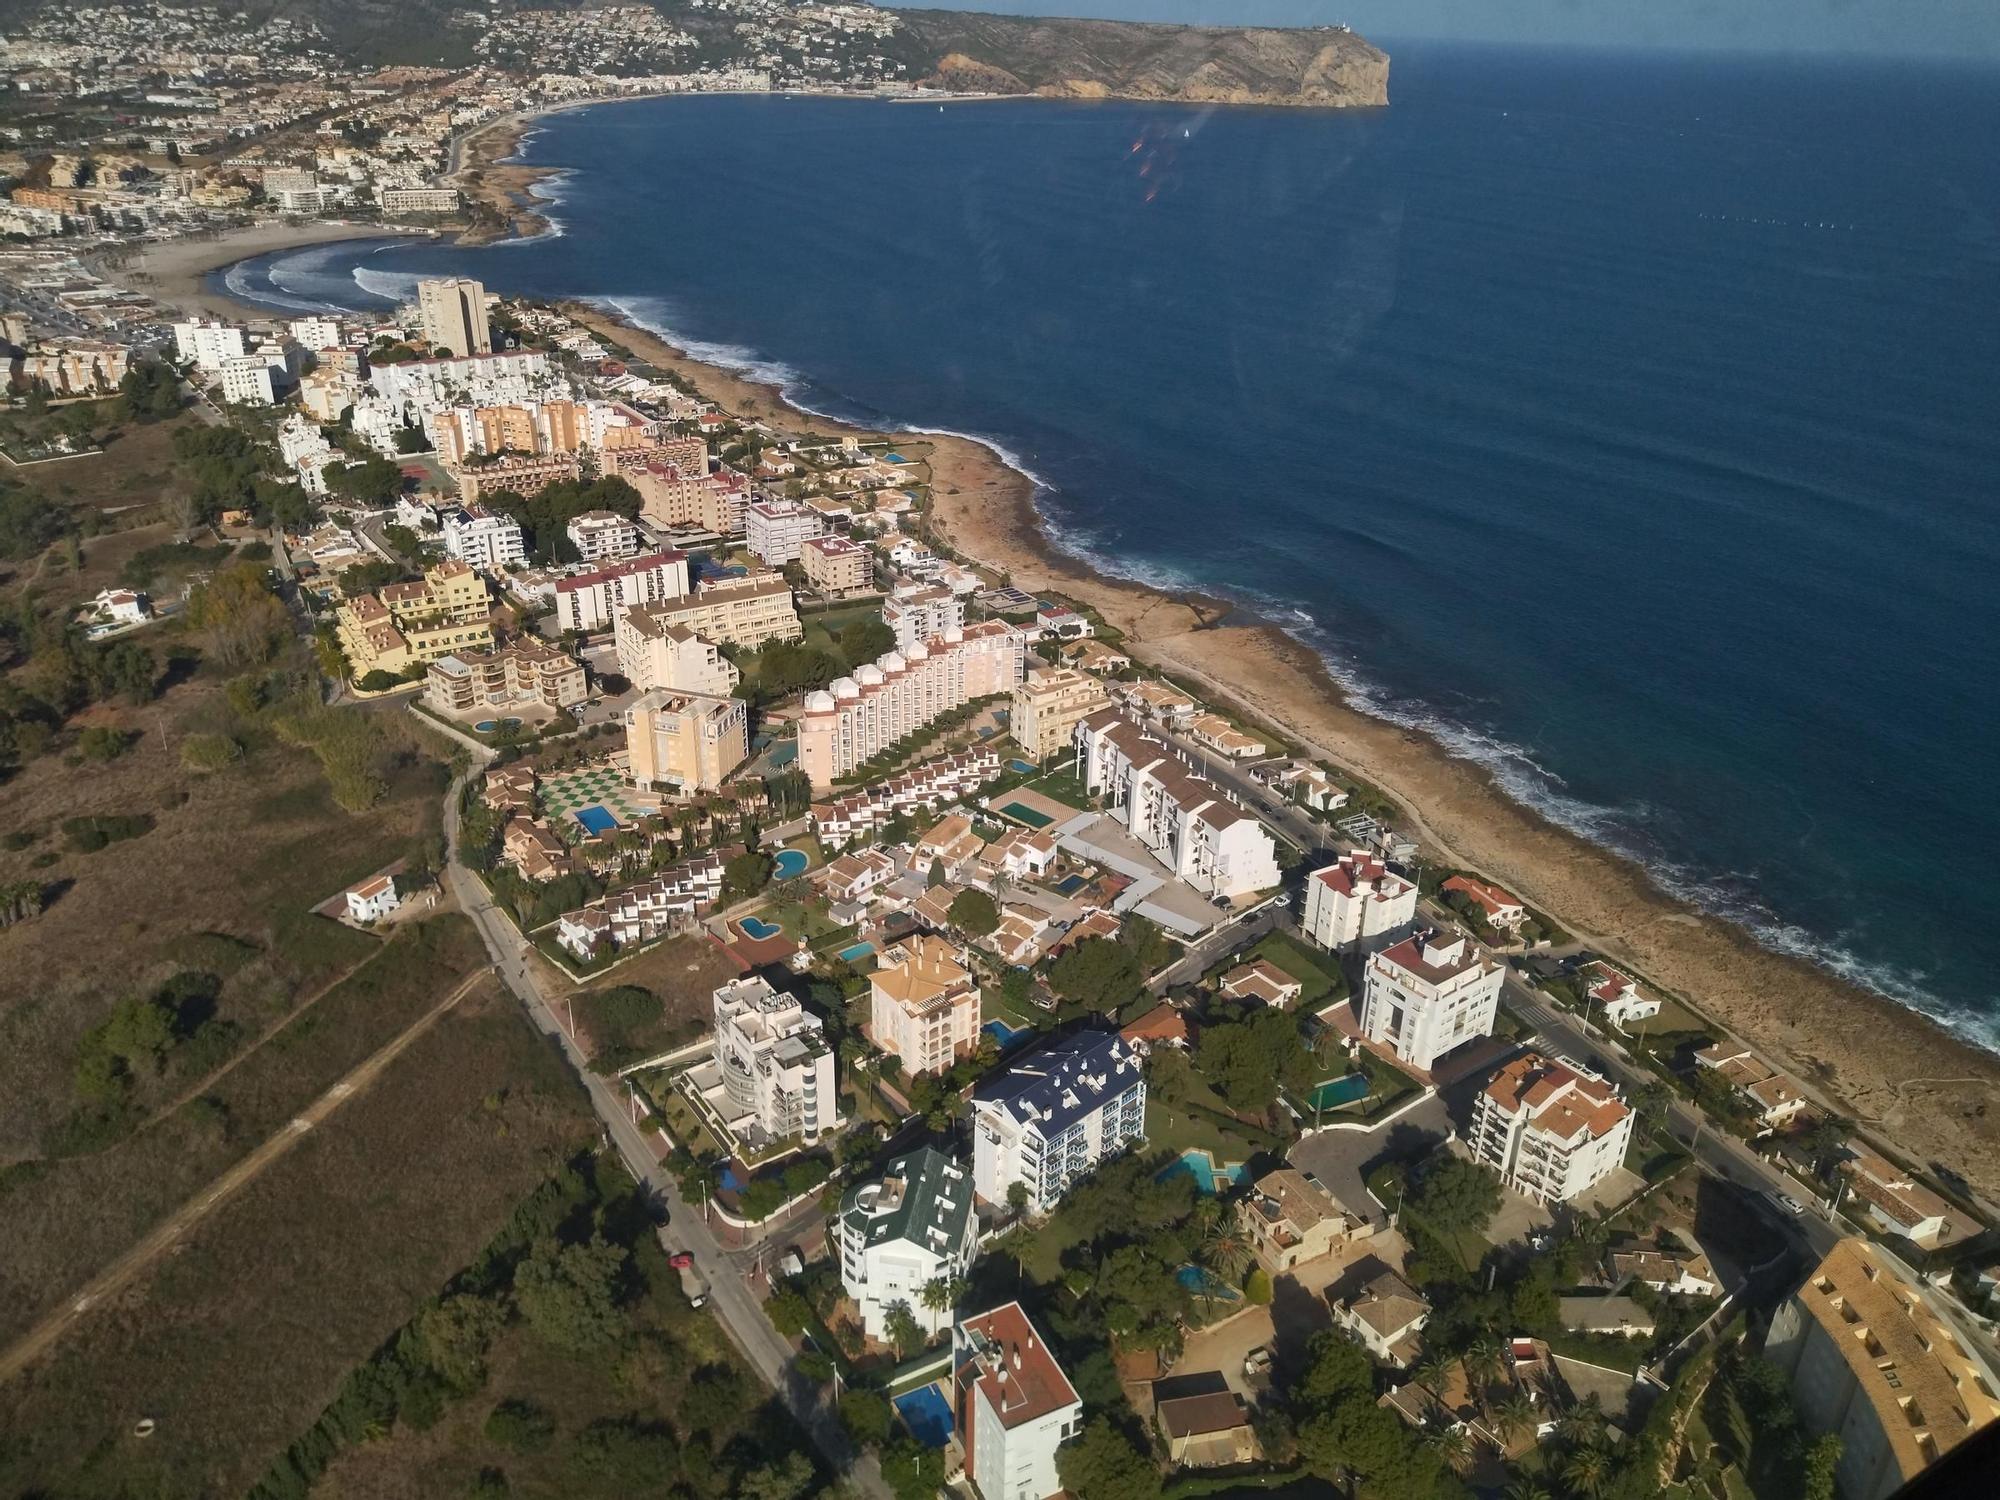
(1335, 1092)
(790, 863)
(927, 1414)
(597, 818)
(758, 928)
(855, 952)
(1069, 885)
(1020, 812)
(1006, 1035)
(1025, 767)
(487, 726)
(1204, 1169)
(1205, 1283)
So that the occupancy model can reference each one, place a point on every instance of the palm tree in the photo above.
(1583, 1423)
(1483, 1365)
(1429, 1374)
(936, 1296)
(1586, 1470)
(1223, 1248)
(1446, 1439)
(1516, 1416)
(1526, 1489)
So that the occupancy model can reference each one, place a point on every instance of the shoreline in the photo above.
(1899, 1073)
(175, 272)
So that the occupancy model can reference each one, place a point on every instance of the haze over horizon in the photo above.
(1967, 29)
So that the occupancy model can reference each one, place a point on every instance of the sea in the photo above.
(1629, 422)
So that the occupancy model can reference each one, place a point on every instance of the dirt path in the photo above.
(134, 1262)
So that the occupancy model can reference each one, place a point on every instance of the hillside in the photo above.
(955, 49)
(1126, 59)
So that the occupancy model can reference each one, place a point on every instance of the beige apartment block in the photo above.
(452, 311)
(835, 565)
(743, 612)
(685, 742)
(924, 1007)
(528, 671)
(1048, 707)
(447, 612)
(656, 653)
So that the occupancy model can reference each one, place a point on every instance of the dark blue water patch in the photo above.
(1625, 422)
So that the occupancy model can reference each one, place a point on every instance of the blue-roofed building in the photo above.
(1053, 1114)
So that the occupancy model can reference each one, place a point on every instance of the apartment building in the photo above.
(1013, 1405)
(685, 742)
(1429, 994)
(250, 380)
(655, 653)
(776, 1070)
(856, 718)
(410, 622)
(1871, 1359)
(1550, 1128)
(633, 448)
(905, 1229)
(678, 498)
(452, 313)
(1191, 826)
(207, 343)
(527, 474)
(1047, 708)
(526, 671)
(603, 536)
(1356, 901)
(1052, 1115)
(928, 784)
(597, 599)
(668, 902)
(777, 530)
(484, 540)
(923, 1005)
(836, 566)
(922, 612)
(418, 200)
(744, 612)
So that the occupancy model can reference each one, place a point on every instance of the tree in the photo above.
(1516, 1416)
(1257, 1289)
(747, 873)
(1104, 1464)
(1097, 973)
(376, 681)
(903, 1329)
(786, 1479)
(521, 1425)
(1817, 1472)
(1336, 1370)
(241, 622)
(936, 875)
(937, 1295)
(1586, 1470)
(452, 1338)
(973, 913)
(569, 1294)
(1454, 1196)
(866, 1415)
(1017, 1198)
(1251, 1058)
(913, 1471)
(1446, 1441)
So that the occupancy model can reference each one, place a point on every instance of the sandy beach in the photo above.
(1911, 1083)
(175, 271)
(483, 174)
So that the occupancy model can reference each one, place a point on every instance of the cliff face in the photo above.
(1130, 60)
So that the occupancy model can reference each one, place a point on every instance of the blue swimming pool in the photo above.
(1069, 885)
(927, 1414)
(1025, 767)
(790, 863)
(1206, 1171)
(1205, 1283)
(488, 726)
(596, 817)
(785, 754)
(855, 952)
(1006, 1035)
(758, 928)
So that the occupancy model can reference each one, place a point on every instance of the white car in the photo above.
(1790, 1204)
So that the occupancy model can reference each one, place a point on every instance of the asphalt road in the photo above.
(730, 1296)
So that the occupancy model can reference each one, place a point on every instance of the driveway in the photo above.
(1340, 1158)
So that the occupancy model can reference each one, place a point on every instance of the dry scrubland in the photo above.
(239, 1338)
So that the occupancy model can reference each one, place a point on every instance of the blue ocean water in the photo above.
(1629, 422)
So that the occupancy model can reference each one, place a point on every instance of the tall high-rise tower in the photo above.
(453, 313)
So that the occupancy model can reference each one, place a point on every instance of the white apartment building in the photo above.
(777, 530)
(1012, 1404)
(776, 1068)
(1191, 826)
(250, 380)
(595, 600)
(1356, 900)
(1052, 1115)
(1429, 994)
(485, 541)
(909, 1227)
(654, 652)
(922, 612)
(856, 718)
(603, 536)
(207, 343)
(923, 1006)
(1550, 1128)
(304, 448)
(315, 334)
